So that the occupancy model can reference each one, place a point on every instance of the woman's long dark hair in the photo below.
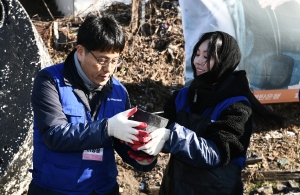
(263, 116)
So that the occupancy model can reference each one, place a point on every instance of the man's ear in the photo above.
(80, 52)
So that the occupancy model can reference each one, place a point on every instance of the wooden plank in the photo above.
(253, 160)
(271, 175)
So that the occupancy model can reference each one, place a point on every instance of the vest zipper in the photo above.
(85, 117)
(195, 96)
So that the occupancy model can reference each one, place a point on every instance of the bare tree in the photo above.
(135, 15)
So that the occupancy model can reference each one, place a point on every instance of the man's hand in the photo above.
(120, 127)
(158, 139)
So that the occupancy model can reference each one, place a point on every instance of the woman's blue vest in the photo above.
(181, 99)
(66, 172)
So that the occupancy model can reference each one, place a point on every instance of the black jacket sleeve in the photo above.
(232, 131)
(76, 137)
(186, 146)
(45, 101)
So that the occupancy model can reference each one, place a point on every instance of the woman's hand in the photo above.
(157, 141)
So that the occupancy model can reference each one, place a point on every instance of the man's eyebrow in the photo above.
(106, 57)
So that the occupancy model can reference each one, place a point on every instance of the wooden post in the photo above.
(143, 17)
(135, 15)
(271, 175)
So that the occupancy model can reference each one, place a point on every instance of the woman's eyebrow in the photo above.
(203, 51)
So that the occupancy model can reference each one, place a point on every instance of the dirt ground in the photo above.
(153, 69)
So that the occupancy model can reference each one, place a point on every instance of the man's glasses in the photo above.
(104, 61)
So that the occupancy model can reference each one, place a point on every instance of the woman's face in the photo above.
(200, 60)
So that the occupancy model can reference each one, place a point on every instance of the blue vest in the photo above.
(181, 99)
(67, 172)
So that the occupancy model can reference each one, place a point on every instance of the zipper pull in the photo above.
(195, 97)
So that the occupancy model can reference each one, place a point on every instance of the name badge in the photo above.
(93, 154)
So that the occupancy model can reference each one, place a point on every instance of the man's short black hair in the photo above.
(101, 34)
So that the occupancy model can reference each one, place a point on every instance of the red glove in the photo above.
(143, 140)
(141, 126)
(142, 135)
(141, 157)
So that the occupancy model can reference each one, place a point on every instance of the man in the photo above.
(81, 115)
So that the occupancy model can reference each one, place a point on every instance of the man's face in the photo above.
(98, 73)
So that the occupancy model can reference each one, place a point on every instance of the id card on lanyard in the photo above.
(93, 154)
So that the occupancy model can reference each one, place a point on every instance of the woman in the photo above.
(210, 123)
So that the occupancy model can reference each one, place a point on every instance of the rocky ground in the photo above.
(154, 68)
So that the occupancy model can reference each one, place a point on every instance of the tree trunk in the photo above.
(135, 15)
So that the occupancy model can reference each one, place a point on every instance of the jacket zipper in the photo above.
(195, 96)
